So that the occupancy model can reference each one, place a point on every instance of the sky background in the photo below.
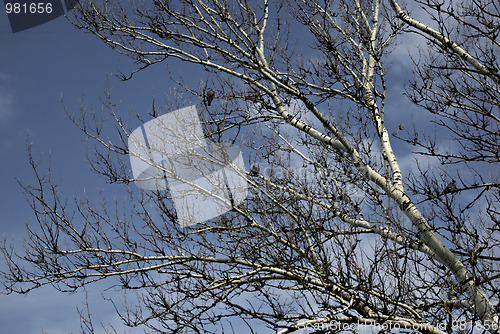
(37, 67)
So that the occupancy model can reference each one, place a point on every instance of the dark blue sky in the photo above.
(37, 67)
